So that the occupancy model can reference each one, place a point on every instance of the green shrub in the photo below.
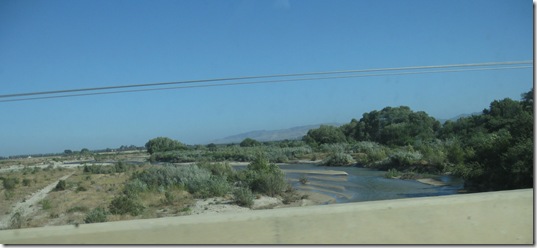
(78, 209)
(250, 143)
(217, 169)
(96, 215)
(9, 194)
(81, 188)
(402, 158)
(163, 144)
(62, 185)
(169, 175)
(263, 177)
(338, 159)
(120, 167)
(99, 169)
(243, 197)
(26, 182)
(124, 204)
(392, 173)
(10, 183)
(45, 204)
(335, 148)
(271, 184)
(134, 186)
(169, 198)
(209, 187)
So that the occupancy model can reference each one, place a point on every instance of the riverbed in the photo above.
(364, 184)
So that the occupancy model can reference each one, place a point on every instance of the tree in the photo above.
(249, 143)
(498, 145)
(68, 152)
(85, 151)
(393, 126)
(212, 147)
(324, 135)
(163, 144)
(527, 100)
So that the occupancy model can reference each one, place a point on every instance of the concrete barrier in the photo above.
(504, 217)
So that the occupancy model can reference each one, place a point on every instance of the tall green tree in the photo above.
(393, 126)
(324, 135)
(498, 145)
(248, 142)
(163, 144)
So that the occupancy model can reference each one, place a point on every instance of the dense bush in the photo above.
(404, 158)
(213, 187)
(169, 175)
(96, 215)
(335, 148)
(45, 204)
(198, 181)
(324, 135)
(271, 184)
(338, 159)
(243, 197)
(26, 181)
(368, 153)
(106, 169)
(10, 182)
(497, 146)
(163, 144)
(126, 204)
(134, 187)
(263, 177)
(62, 185)
(392, 173)
(274, 153)
(217, 169)
(393, 126)
(249, 143)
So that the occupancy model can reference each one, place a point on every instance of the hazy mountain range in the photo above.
(293, 133)
(458, 117)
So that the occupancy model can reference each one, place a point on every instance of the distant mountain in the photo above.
(458, 117)
(293, 133)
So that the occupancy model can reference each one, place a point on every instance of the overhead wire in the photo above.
(258, 77)
(268, 81)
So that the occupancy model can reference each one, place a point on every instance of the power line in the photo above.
(269, 81)
(267, 76)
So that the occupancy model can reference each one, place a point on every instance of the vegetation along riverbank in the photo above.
(490, 151)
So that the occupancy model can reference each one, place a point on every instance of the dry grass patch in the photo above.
(36, 182)
(70, 206)
(85, 192)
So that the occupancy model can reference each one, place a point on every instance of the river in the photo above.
(363, 184)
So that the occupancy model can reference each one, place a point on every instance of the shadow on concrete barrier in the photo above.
(504, 217)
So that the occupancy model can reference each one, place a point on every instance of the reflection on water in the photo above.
(364, 184)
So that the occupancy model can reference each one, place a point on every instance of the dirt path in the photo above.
(30, 205)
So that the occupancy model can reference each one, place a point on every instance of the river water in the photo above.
(363, 184)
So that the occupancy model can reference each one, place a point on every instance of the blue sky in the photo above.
(62, 44)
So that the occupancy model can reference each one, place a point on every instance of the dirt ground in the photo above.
(37, 204)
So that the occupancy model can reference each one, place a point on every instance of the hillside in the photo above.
(271, 135)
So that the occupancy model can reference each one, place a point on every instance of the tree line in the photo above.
(490, 151)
